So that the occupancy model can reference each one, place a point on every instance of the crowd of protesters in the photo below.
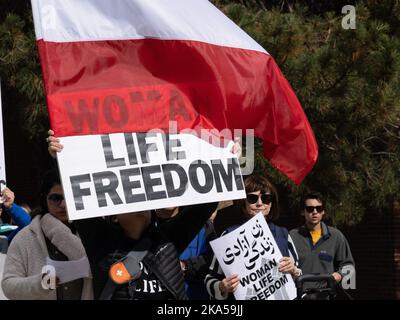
(167, 250)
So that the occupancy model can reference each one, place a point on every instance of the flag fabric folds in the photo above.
(134, 65)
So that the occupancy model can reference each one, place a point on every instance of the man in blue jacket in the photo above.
(196, 260)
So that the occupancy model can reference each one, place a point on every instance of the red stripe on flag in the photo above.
(137, 85)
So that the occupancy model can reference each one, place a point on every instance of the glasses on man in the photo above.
(253, 198)
(55, 198)
(310, 209)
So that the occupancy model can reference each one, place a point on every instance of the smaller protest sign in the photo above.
(251, 252)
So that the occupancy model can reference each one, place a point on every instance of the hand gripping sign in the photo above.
(251, 251)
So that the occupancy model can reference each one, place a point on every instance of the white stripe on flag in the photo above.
(95, 20)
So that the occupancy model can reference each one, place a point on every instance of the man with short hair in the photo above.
(322, 249)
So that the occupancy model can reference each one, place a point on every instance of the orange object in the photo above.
(119, 274)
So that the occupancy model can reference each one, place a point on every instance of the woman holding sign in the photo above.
(133, 258)
(261, 197)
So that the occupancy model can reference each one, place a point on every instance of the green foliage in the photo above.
(20, 70)
(346, 80)
(348, 84)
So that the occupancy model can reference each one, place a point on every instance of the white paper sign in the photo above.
(70, 270)
(121, 173)
(2, 159)
(251, 252)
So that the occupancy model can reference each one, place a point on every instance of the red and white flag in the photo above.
(132, 65)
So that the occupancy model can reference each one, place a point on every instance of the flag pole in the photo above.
(2, 159)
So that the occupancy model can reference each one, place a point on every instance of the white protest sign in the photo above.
(251, 252)
(67, 271)
(121, 173)
(2, 159)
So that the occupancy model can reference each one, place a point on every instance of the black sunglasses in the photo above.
(55, 198)
(310, 209)
(253, 198)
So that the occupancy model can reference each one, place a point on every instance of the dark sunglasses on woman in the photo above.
(55, 198)
(310, 209)
(253, 198)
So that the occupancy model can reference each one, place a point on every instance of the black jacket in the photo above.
(106, 243)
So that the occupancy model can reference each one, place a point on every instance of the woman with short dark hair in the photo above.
(261, 196)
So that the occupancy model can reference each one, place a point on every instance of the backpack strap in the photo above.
(126, 269)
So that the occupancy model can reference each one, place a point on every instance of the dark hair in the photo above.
(255, 183)
(311, 195)
(50, 179)
(5, 216)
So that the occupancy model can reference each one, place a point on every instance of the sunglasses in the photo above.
(310, 209)
(55, 198)
(253, 198)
